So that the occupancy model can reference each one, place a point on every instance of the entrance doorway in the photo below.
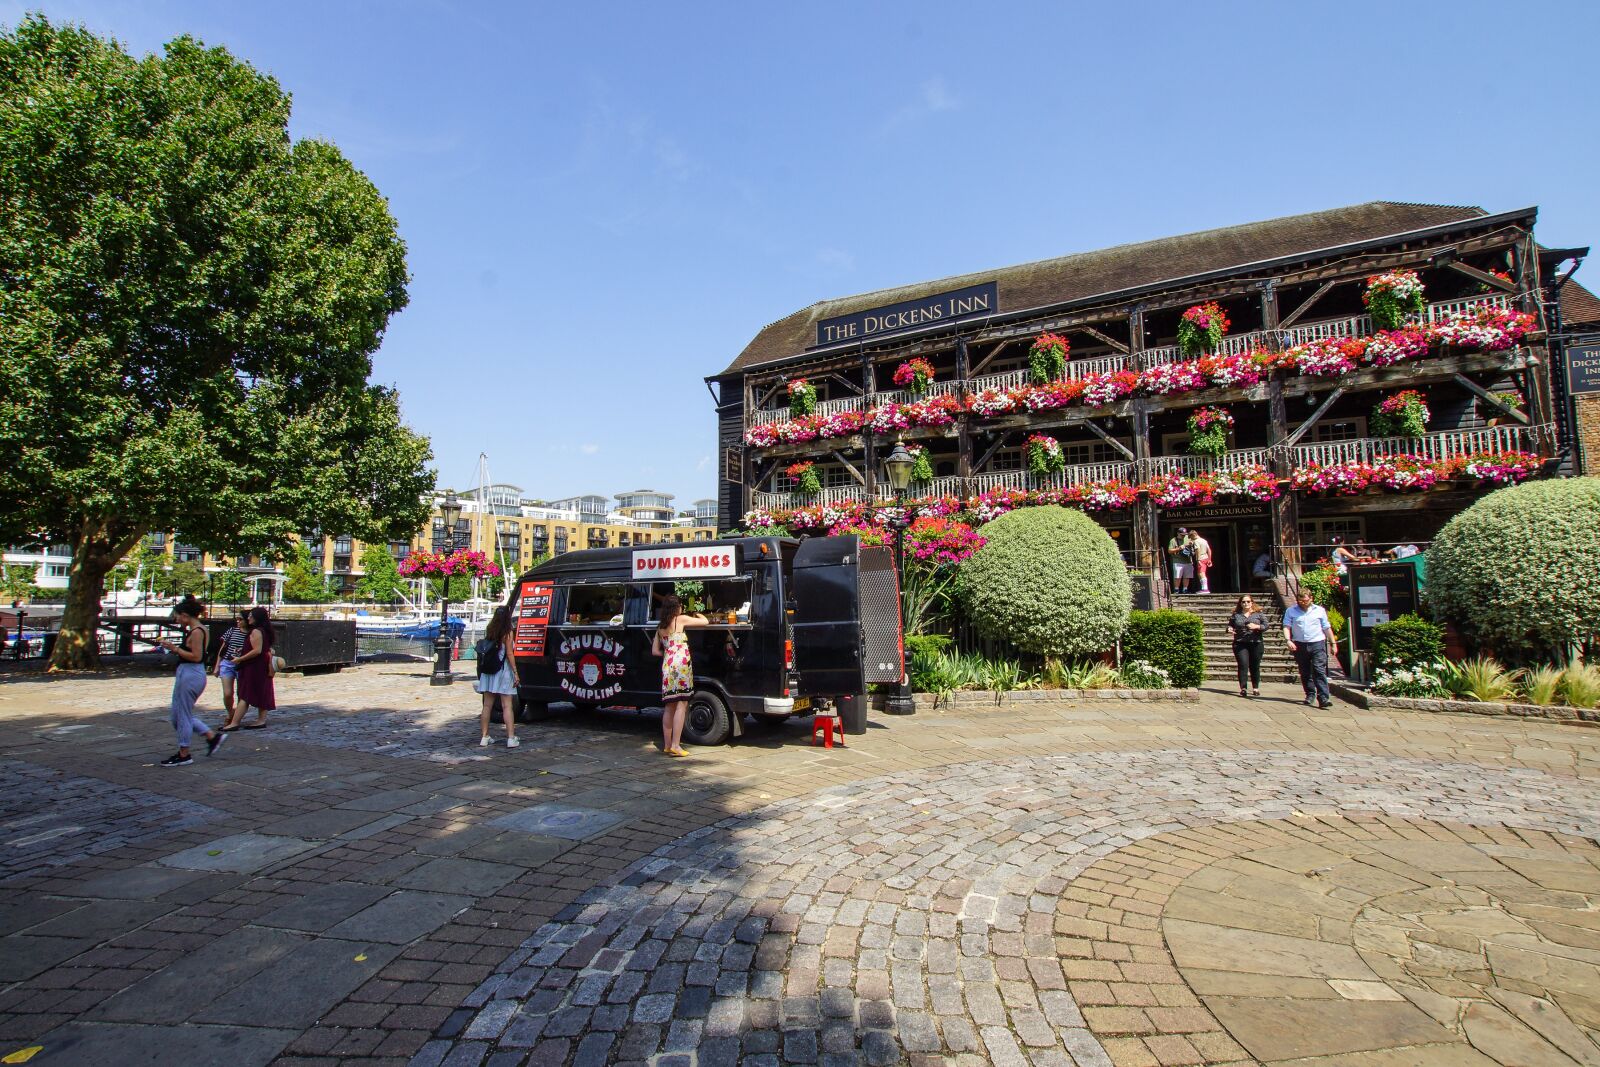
(1224, 573)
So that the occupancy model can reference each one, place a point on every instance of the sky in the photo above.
(604, 202)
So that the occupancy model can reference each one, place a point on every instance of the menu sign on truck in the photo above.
(721, 561)
(533, 617)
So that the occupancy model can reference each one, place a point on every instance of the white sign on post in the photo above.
(671, 563)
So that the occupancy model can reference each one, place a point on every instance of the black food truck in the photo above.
(796, 626)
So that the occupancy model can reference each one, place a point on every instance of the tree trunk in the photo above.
(93, 556)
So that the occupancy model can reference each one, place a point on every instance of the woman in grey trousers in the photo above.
(189, 683)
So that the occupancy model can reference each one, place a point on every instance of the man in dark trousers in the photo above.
(1311, 639)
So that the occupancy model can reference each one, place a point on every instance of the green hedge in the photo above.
(1172, 640)
(1411, 640)
(931, 644)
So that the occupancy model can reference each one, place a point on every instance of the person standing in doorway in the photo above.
(1202, 559)
(1249, 627)
(256, 668)
(1311, 638)
(189, 683)
(232, 644)
(497, 677)
(1181, 558)
(671, 643)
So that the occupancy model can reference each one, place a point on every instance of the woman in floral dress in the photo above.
(677, 671)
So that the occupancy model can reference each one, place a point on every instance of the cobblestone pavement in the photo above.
(1229, 881)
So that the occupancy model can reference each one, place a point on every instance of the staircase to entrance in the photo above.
(1277, 665)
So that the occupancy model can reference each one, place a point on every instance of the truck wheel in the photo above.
(707, 721)
(532, 710)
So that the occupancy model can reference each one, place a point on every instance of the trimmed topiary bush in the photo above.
(1409, 641)
(1050, 581)
(1175, 641)
(1516, 572)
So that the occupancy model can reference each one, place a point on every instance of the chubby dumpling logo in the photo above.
(589, 670)
(590, 667)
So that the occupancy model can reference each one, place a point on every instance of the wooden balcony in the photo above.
(1238, 344)
(1445, 444)
(1075, 474)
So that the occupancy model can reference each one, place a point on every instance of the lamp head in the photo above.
(897, 467)
(450, 509)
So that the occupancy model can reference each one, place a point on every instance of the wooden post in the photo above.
(869, 448)
(1136, 337)
(1146, 522)
(1285, 509)
(964, 422)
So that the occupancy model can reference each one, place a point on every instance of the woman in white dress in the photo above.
(497, 676)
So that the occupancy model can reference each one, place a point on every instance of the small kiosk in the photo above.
(796, 626)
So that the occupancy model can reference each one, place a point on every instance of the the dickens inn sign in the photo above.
(924, 311)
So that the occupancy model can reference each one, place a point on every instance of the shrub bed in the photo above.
(1169, 639)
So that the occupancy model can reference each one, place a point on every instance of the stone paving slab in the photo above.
(572, 822)
(119, 1045)
(302, 985)
(197, 979)
(240, 853)
(402, 916)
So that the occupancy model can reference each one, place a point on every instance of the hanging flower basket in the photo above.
(1391, 298)
(1208, 431)
(804, 475)
(459, 564)
(1047, 359)
(921, 465)
(1403, 415)
(915, 374)
(1202, 328)
(1045, 456)
(802, 398)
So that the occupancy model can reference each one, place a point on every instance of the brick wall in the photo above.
(1588, 405)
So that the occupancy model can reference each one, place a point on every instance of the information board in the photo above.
(1379, 593)
(533, 618)
(1583, 369)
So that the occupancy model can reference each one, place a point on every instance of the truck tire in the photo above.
(532, 710)
(707, 721)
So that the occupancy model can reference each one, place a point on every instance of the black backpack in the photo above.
(491, 657)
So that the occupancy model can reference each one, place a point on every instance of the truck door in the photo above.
(836, 587)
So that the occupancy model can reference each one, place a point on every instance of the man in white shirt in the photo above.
(1312, 640)
(1402, 551)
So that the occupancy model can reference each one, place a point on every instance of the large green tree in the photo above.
(189, 303)
(303, 580)
(380, 578)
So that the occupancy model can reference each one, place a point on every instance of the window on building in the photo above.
(1316, 535)
(182, 553)
(1008, 459)
(56, 570)
(561, 540)
(1090, 452)
(1331, 430)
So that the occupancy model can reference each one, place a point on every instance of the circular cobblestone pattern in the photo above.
(1165, 907)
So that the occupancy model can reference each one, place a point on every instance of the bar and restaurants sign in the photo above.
(1379, 593)
(673, 563)
(980, 299)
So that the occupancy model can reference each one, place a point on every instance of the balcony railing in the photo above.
(1444, 444)
(1349, 326)
(1075, 474)
(1194, 466)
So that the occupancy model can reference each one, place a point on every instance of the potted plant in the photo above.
(802, 398)
(1201, 329)
(922, 465)
(1045, 456)
(1404, 414)
(804, 475)
(1208, 431)
(915, 374)
(1047, 359)
(1493, 415)
(1393, 296)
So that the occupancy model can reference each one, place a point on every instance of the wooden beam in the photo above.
(977, 468)
(1300, 431)
(1294, 316)
(986, 360)
(846, 382)
(779, 384)
(1483, 394)
(1110, 342)
(1483, 276)
(1108, 439)
(860, 480)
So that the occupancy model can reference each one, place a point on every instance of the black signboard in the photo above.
(1583, 369)
(908, 314)
(1379, 593)
(1142, 600)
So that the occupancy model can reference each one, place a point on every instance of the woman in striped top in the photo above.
(232, 643)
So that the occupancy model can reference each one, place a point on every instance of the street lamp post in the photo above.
(897, 467)
(450, 511)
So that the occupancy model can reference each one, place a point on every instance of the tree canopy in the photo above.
(189, 303)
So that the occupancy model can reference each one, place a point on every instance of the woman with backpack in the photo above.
(497, 676)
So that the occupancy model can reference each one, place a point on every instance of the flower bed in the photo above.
(1403, 472)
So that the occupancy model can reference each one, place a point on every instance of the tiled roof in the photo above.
(1089, 274)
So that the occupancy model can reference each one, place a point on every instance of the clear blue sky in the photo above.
(604, 202)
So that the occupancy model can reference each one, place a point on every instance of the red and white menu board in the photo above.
(533, 617)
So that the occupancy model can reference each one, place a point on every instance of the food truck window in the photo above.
(594, 605)
(716, 597)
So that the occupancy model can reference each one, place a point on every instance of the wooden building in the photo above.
(1284, 284)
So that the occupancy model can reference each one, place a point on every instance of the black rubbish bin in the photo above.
(853, 713)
